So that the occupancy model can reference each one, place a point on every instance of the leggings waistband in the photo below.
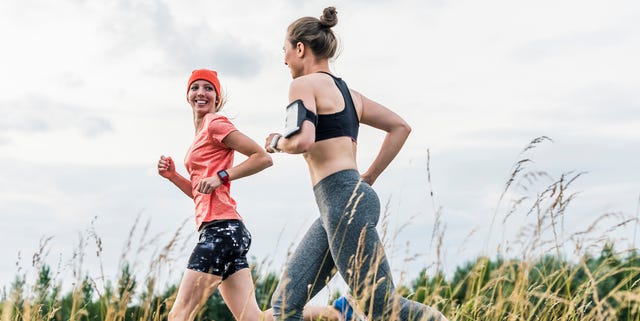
(342, 176)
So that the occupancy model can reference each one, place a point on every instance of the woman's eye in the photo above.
(209, 88)
(194, 88)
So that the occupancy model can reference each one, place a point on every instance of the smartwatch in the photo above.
(224, 176)
(274, 142)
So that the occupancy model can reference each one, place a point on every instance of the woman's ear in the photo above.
(300, 49)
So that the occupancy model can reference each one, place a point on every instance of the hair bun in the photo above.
(329, 17)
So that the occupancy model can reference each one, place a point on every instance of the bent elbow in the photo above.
(404, 129)
(407, 128)
(266, 161)
(269, 162)
(302, 147)
(299, 145)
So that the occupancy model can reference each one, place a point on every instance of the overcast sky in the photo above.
(93, 92)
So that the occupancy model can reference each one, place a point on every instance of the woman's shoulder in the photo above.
(211, 118)
(303, 80)
(310, 81)
(218, 126)
(214, 116)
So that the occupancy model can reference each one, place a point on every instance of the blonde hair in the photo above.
(221, 100)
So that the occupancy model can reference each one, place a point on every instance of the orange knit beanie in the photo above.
(205, 74)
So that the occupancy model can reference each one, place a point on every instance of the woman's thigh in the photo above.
(238, 293)
(195, 288)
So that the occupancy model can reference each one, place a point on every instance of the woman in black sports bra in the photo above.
(345, 236)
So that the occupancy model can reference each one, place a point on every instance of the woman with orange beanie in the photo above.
(219, 260)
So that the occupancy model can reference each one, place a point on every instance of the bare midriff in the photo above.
(330, 156)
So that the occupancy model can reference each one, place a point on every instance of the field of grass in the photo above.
(575, 277)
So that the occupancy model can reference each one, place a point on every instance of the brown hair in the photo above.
(316, 33)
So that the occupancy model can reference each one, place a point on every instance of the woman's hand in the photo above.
(267, 144)
(166, 167)
(207, 185)
(368, 178)
(378, 116)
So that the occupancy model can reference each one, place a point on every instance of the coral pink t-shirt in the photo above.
(205, 158)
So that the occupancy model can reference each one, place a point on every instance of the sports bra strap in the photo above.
(343, 123)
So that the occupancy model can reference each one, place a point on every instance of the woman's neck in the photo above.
(317, 66)
(197, 121)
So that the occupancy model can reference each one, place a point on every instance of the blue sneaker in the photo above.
(342, 305)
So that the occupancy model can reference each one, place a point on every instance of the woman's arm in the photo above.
(167, 169)
(257, 160)
(300, 142)
(378, 116)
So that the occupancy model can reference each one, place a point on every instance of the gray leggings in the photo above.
(345, 237)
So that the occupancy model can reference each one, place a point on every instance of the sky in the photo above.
(93, 92)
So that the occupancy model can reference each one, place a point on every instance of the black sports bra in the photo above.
(342, 123)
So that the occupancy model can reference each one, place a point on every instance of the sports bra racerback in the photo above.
(342, 123)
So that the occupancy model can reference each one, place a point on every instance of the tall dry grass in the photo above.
(542, 272)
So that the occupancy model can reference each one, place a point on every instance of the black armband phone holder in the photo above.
(297, 113)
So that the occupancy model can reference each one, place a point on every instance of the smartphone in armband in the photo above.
(297, 113)
(295, 116)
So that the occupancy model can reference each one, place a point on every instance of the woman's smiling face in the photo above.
(202, 96)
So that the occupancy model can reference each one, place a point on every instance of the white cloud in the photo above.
(42, 115)
(93, 93)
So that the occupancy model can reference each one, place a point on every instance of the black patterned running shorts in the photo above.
(222, 248)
